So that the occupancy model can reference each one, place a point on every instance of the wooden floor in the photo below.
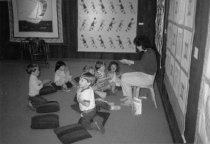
(122, 127)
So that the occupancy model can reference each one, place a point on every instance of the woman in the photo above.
(143, 70)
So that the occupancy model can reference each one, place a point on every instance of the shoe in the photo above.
(31, 106)
(98, 126)
(115, 107)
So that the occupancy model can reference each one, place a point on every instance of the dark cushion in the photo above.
(48, 121)
(71, 133)
(75, 107)
(100, 116)
(50, 106)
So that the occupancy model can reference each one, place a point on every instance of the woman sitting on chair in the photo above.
(143, 70)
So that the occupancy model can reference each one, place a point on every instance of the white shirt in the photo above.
(88, 95)
(34, 85)
(60, 77)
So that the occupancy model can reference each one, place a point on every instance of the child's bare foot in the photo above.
(115, 107)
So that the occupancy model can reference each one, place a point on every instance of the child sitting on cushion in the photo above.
(37, 87)
(62, 76)
(86, 100)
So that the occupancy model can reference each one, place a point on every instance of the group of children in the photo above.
(91, 88)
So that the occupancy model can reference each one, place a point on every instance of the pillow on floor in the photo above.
(71, 133)
(48, 121)
(75, 107)
(102, 116)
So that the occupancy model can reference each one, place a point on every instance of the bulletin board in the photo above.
(180, 32)
(107, 25)
(36, 18)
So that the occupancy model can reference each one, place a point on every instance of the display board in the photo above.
(107, 25)
(35, 18)
(180, 32)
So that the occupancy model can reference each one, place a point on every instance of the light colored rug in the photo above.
(122, 127)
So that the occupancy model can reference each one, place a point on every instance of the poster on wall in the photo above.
(180, 35)
(183, 92)
(36, 18)
(177, 76)
(186, 51)
(171, 10)
(190, 13)
(159, 24)
(107, 25)
(180, 6)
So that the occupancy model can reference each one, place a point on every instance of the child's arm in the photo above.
(125, 61)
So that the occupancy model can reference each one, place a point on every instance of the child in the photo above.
(62, 76)
(102, 83)
(86, 100)
(37, 87)
(113, 73)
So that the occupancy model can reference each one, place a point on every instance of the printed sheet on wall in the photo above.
(107, 25)
(180, 32)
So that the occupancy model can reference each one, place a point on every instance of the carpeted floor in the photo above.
(122, 127)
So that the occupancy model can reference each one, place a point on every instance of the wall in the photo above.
(68, 49)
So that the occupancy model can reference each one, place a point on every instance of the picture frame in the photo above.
(36, 18)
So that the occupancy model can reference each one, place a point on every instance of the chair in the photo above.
(38, 50)
(151, 89)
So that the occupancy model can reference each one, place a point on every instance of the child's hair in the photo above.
(89, 77)
(31, 68)
(87, 69)
(59, 64)
(143, 41)
(115, 63)
(99, 64)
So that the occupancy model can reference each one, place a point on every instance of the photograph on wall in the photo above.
(204, 115)
(107, 25)
(159, 23)
(171, 10)
(180, 33)
(180, 6)
(169, 35)
(167, 63)
(190, 13)
(171, 72)
(177, 76)
(35, 18)
(186, 51)
(183, 92)
(174, 39)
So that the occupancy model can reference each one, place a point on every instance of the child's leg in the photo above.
(37, 100)
(47, 89)
(101, 94)
(87, 118)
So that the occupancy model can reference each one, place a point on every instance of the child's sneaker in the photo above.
(31, 106)
(98, 126)
(115, 107)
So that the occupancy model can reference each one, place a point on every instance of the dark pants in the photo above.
(68, 84)
(37, 100)
(47, 89)
(102, 104)
(87, 118)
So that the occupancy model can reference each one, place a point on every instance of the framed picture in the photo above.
(35, 18)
